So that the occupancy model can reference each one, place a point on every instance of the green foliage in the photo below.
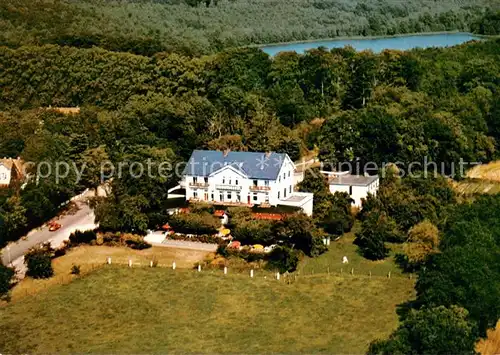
(85, 237)
(6, 275)
(194, 223)
(423, 240)
(331, 212)
(38, 261)
(298, 231)
(411, 200)
(254, 232)
(149, 27)
(376, 229)
(137, 243)
(470, 257)
(283, 259)
(437, 330)
(339, 219)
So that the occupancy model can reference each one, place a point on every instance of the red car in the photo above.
(53, 226)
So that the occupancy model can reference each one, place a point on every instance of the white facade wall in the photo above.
(230, 185)
(5, 175)
(356, 192)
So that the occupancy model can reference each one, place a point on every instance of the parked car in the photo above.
(53, 226)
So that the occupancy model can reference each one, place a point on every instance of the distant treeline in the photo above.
(195, 27)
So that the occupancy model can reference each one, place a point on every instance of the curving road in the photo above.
(82, 219)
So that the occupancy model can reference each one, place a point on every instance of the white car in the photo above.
(269, 248)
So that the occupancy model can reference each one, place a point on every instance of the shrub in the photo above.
(38, 260)
(211, 239)
(138, 244)
(75, 270)
(111, 239)
(222, 250)
(59, 252)
(317, 246)
(195, 223)
(423, 240)
(283, 259)
(6, 275)
(375, 231)
(79, 237)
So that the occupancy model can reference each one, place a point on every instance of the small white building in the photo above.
(243, 179)
(357, 186)
(10, 170)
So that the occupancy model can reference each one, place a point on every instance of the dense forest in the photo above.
(195, 27)
(435, 104)
(147, 94)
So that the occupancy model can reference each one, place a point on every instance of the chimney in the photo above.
(226, 152)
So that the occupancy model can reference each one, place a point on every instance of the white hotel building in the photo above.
(243, 178)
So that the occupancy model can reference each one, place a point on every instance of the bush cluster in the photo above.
(205, 238)
(108, 238)
(38, 261)
(195, 223)
(6, 275)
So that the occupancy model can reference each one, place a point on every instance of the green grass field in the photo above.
(117, 309)
(331, 261)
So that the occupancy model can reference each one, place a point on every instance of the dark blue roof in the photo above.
(265, 166)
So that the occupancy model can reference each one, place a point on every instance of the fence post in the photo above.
(151, 263)
(389, 275)
(199, 267)
(225, 270)
(129, 262)
(251, 273)
(109, 260)
(278, 276)
(352, 271)
(370, 274)
(174, 265)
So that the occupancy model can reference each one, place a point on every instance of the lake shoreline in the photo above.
(344, 38)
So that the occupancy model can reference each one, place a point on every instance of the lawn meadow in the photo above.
(117, 309)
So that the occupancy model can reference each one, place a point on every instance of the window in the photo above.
(195, 179)
(229, 196)
(266, 182)
(221, 197)
(195, 194)
(279, 178)
(212, 197)
(229, 182)
(288, 173)
(236, 181)
(284, 192)
(206, 180)
(284, 176)
(278, 194)
(238, 197)
(223, 180)
(255, 183)
(350, 190)
(267, 196)
(255, 197)
(290, 189)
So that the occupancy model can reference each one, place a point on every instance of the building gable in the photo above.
(231, 170)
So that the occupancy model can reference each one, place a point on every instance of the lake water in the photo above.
(378, 44)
